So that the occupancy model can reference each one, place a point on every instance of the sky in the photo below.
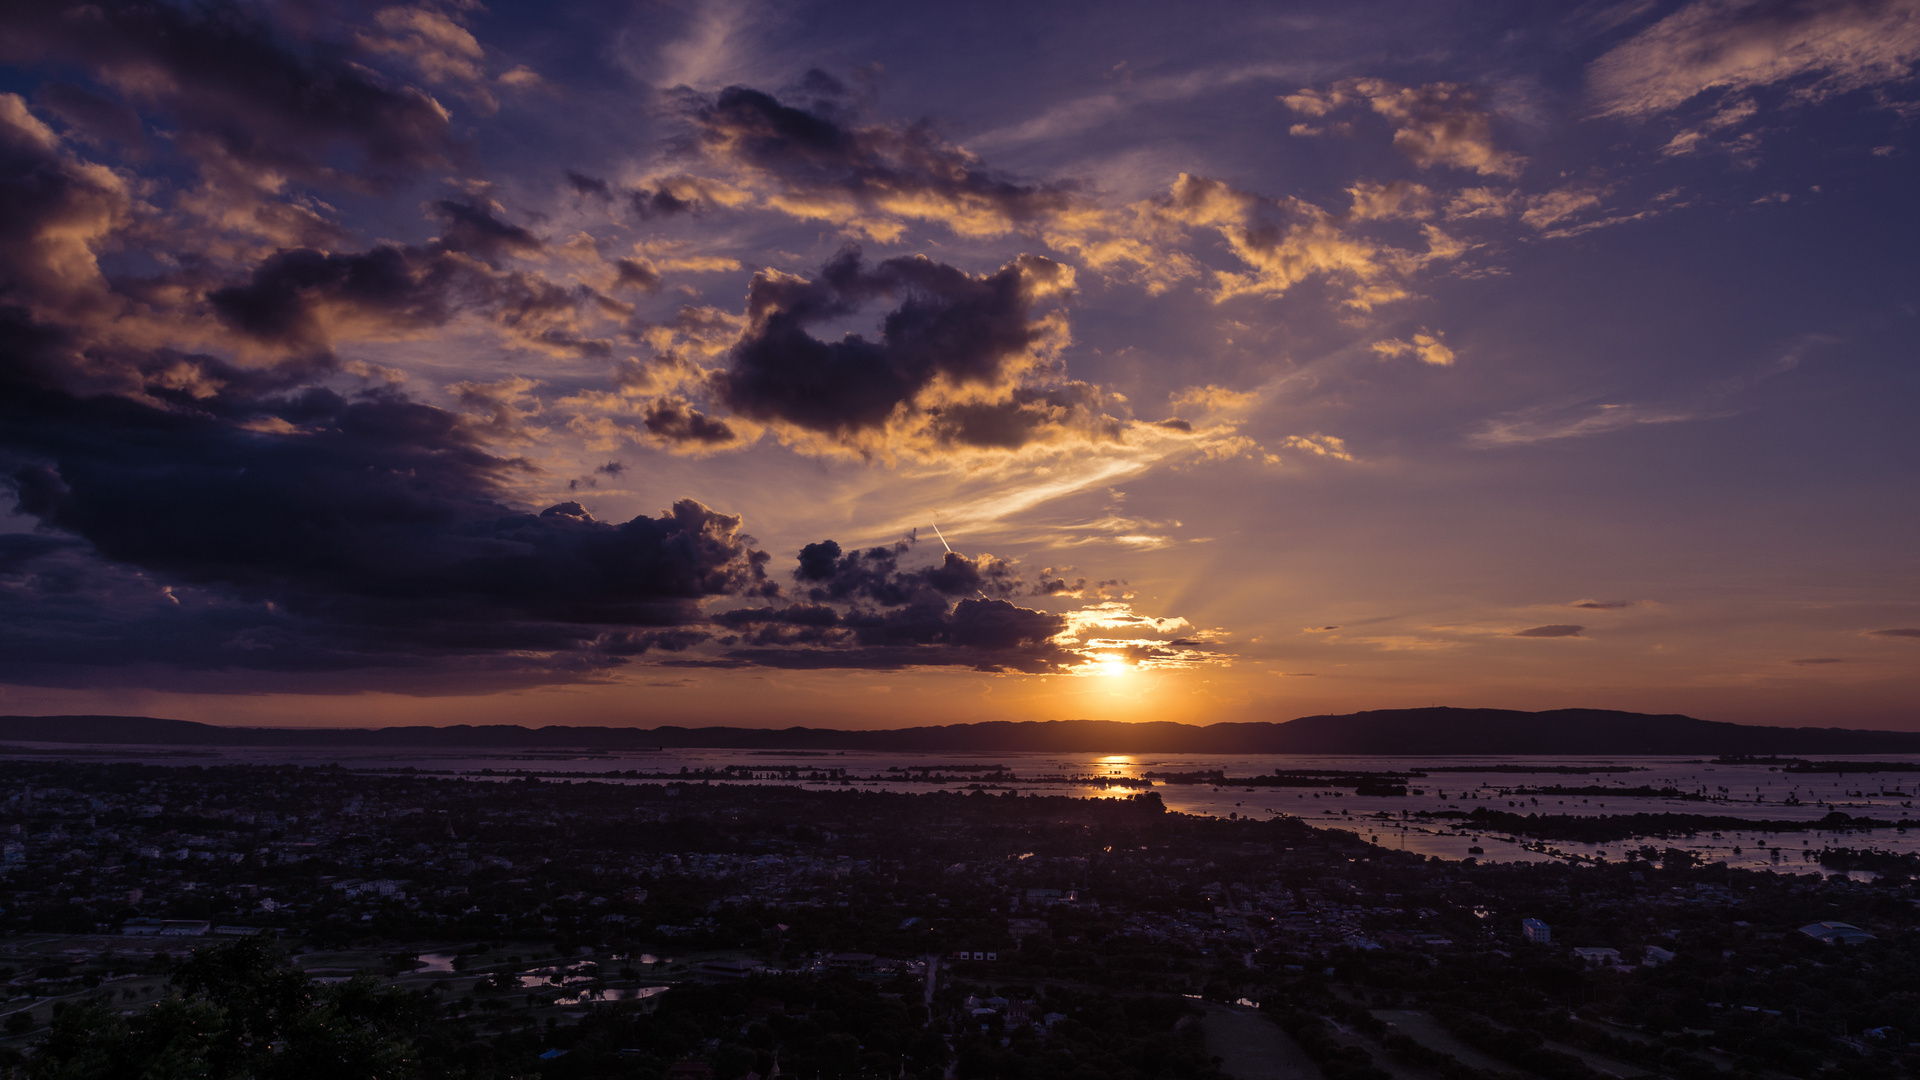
(874, 365)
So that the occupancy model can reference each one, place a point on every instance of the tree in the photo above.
(238, 1011)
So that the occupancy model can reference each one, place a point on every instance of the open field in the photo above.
(1253, 1047)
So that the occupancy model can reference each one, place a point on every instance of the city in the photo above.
(529, 928)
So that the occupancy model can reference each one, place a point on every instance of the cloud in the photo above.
(1480, 202)
(1692, 139)
(864, 610)
(821, 165)
(1825, 47)
(963, 362)
(1601, 605)
(239, 93)
(1318, 445)
(673, 421)
(1552, 207)
(472, 228)
(1897, 632)
(1285, 242)
(1429, 346)
(54, 209)
(283, 515)
(97, 119)
(1709, 401)
(1127, 94)
(1435, 124)
(1557, 630)
(319, 531)
(636, 274)
(305, 299)
(444, 52)
(1389, 202)
(825, 573)
(950, 326)
(1817, 660)
(1542, 426)
(582, 184)
(1028, 415)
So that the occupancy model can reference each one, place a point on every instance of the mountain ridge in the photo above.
(1435, 731)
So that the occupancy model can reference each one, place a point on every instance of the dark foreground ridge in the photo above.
(1381, 731)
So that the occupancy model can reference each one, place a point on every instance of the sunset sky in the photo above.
(603, 362)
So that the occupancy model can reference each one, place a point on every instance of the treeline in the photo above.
(1365, 783)
(1607, 828)
(1802, 765)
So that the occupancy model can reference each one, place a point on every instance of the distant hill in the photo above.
(1380, 731)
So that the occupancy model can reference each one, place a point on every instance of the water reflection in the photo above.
(619, 993)
(1749, 791)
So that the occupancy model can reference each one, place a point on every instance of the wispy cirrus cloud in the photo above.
(1555, 630)
(1546, 425)
(1821, 48)
(1126, 93)
(1585, 418)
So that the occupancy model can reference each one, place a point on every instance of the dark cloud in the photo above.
(962, 361)
(376, 498)
(631, 643)
(1553, 631)
(473, 229)
(589, 185)
(946, 614)
(949, 325)
(19, 549)
(1898, 632)
(824, 86)
(910, 170)
(651, 203)
(1601, 605)
(987, 635)
(266, 518)
(296, 296)
(101, 120)
(673, 420)
(636, 274)
(1814, 660)
(874, 575)
(276, 526)
(239, 90)
(1058, 586)
(1025, 415)
(797, 624)
(289, 295)
(289, 530)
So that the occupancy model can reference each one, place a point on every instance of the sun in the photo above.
(1112, 667)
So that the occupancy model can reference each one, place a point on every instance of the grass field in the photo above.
(1253, 1047)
